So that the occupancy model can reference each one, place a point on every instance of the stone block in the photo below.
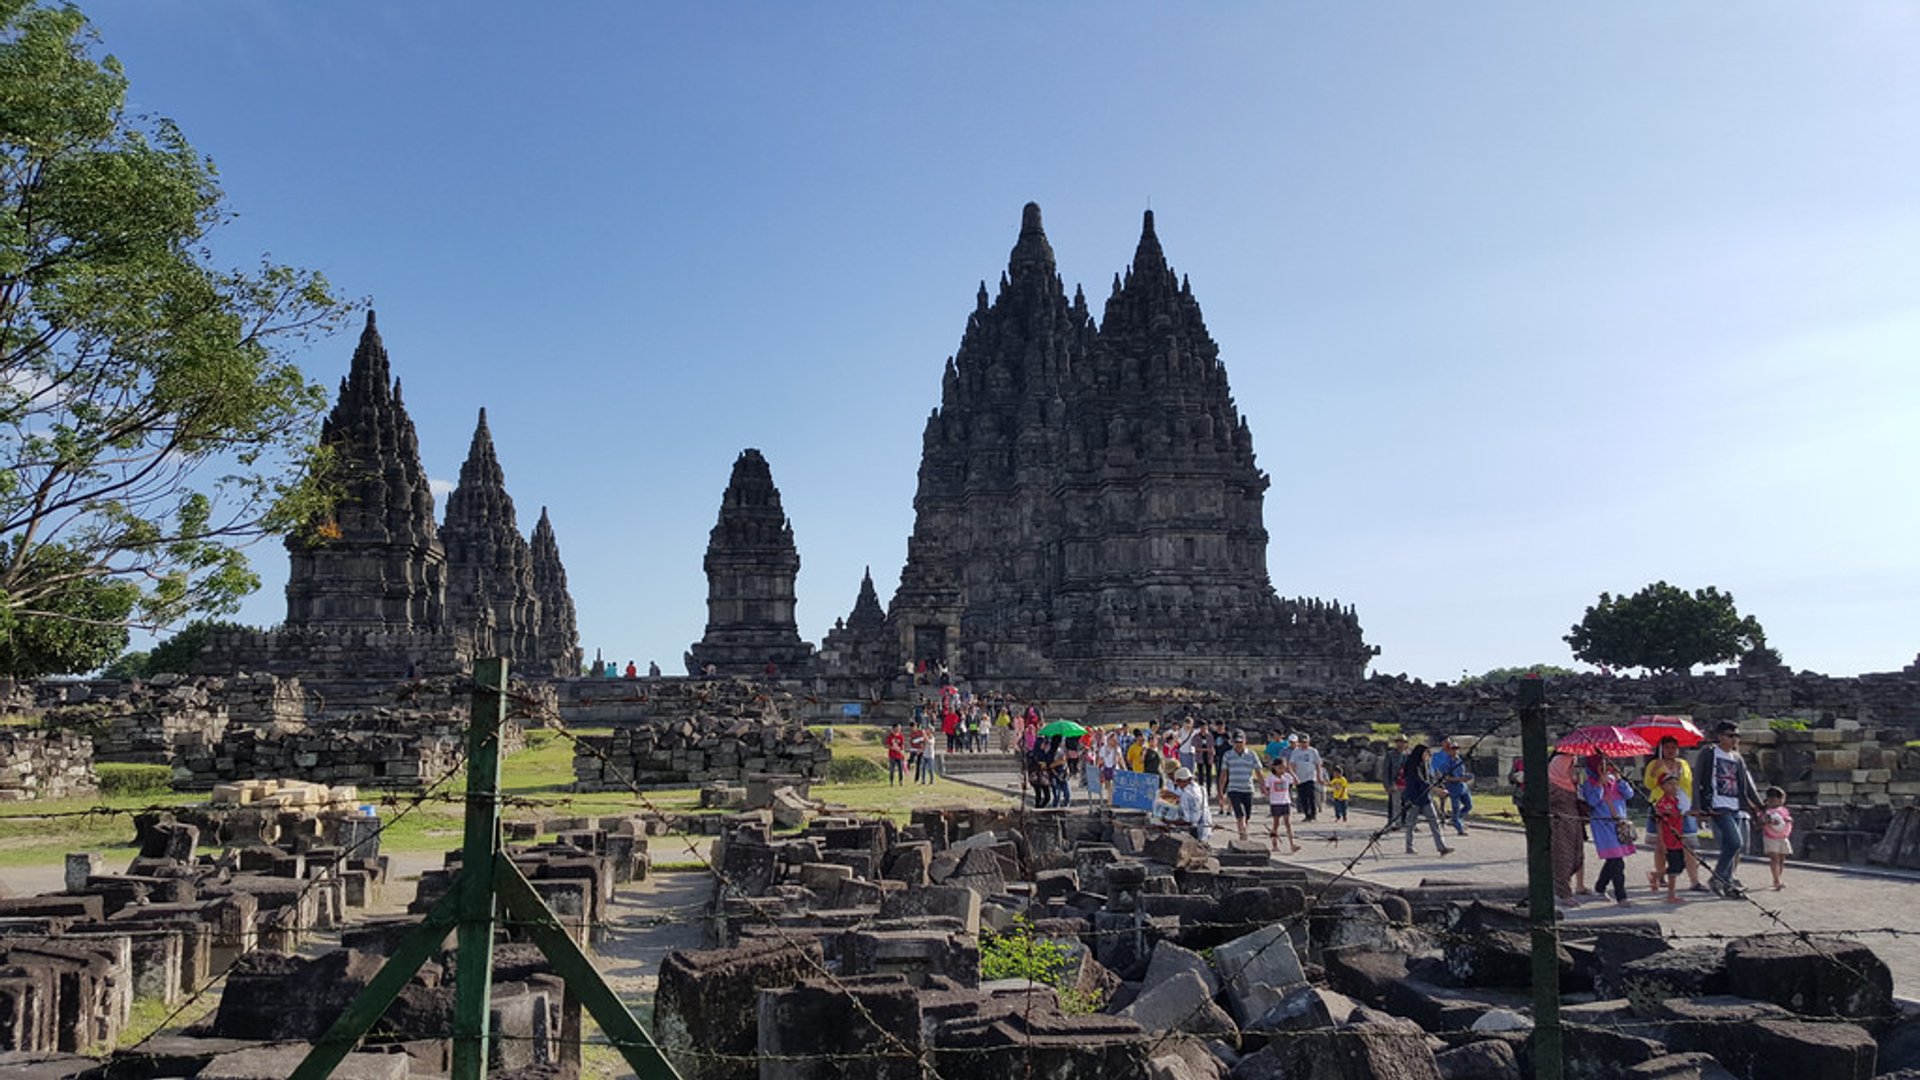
(80, 867)
(1257, 970)
(1690, 971)
(1822, 977)
(952, 901)
(1775, 1049)
(858, 1029)
(1181, 1002)
(1487, 1059)
(1170, 959)
(909, 861)
(278, 1062)
(1386, 1048)
(708, 1003)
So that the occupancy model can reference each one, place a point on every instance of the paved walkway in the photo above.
(1816, 899)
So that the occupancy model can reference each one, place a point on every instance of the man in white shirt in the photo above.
(1307, 768)
(1194, 812)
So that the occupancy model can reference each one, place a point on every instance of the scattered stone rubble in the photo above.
(72, 963)
(851, 949)
(45, 765)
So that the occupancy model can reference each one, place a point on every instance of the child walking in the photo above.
(1669, 819)
(1280, 781)
(1776, 833)
(1337, 793)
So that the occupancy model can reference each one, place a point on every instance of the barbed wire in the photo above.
(549, 717)
(312, 883)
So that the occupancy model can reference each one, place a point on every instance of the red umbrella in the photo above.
(1603, 739)
(1655, 728)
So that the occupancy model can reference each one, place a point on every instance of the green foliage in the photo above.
(150, 422)
(122, 779)
(80, 622)
(175, 655)
(128, 665)
(855, 770)
(1386, 731)
(1017, 954)
(1666, 629)
(1787, 723)
(1500, 676)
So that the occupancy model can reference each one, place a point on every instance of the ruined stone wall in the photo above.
(336, 653)
(399, 751)
(137, 722)
(38, 764)
(695, 751)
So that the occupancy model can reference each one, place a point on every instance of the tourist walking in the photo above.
(1417, 787)
(1040, 774)
(1724, 792)
(1606, 795)
(1337, 792)
(1672, 845)
(1776, 833)
(1203, 757)
(1311, 773)
(1279, 782)
(917, 746)
(1391, 763)
(1566, 819)
(1668, 762)
(1194, 812)
(1237, 770)
(1451, 770)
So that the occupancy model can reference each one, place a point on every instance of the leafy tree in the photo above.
(1666, 629)
(150, 421)
(175, 655)
(128, 665)
(1500, 675)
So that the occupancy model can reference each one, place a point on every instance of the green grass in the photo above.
(143, 781)
(1487, 806)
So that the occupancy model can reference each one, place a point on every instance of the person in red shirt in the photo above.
(1673, 843)
(896, 743)
(950, 727)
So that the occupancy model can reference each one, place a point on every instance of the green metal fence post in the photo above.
(473, 978)
(1546, 937)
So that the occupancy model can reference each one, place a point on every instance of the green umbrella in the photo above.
(1064, 727)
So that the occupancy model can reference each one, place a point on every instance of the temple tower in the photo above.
(1089, 505)
(860, 645)
(377, 564)
(559, 634)
(751, 566)
(489, 565)
(974, 591)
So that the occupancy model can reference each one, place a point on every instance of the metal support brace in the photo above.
(486, 876)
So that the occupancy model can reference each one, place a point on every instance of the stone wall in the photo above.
(45, 765)
(398, 750)
(694, 751)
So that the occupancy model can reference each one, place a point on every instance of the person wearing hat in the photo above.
(1194, 813)
(1451, 770)
(1724, 792)
(1237, 770)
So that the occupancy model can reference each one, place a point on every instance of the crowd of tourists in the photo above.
(1208, 773)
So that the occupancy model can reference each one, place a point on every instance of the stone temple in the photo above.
(751, 567)
(1089, 506)
(382, 591)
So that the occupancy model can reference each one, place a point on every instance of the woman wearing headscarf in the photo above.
(1606, 794)
(1565, 816)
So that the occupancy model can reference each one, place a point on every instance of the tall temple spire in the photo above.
(376, 563)
(1031, 253)
(559, 630)
(751, 566)
(490, 567)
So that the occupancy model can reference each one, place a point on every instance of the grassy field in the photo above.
(542, 774)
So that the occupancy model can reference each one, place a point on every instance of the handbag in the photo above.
(1625, 831)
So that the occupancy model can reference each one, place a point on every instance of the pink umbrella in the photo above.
(1655, 728)
(1603, 739)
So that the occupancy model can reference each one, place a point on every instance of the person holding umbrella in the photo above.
(1668, 762)
(1606, 794)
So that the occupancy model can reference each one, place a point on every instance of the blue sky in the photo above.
(1522, 304)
